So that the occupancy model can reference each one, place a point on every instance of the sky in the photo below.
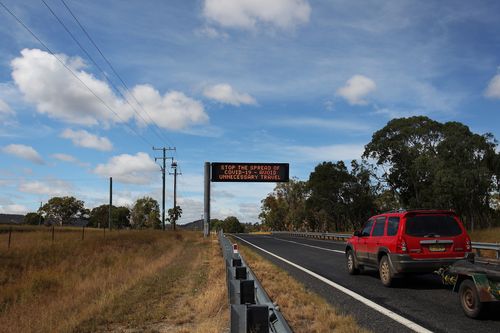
(282, 81)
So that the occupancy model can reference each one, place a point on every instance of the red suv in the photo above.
(416, 241)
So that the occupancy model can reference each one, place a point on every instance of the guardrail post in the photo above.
(249, 318)
(258, 319)
(242, 292)
(240, 273)
(238, 318)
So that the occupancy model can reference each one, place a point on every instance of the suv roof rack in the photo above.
(400, 210)
(403, 210)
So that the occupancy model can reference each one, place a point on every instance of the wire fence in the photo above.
(12, 235)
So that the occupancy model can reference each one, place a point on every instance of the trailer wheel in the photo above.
(469, 299)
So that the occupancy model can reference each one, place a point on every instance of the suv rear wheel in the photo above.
(352, 268)
(385, 271)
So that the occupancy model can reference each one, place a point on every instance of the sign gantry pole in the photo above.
(206, 210)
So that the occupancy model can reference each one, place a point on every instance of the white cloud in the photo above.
(68, 158)
(85, 139)
(122, 201)
(44, 81)
(131, 169)
(249, 212)
(211, 32)
(65, 158)
(173, 111)
(192, 210)
(49, 188)
(24, 152)
(493, 90)
(57, 93)
(224, 93)
(191, 182)
(336, 152)
(246, 14)
(5, 109)
(14, 209)
(356, 88)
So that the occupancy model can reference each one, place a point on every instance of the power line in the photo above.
(72, 72)
(156, 127)
(97, 65)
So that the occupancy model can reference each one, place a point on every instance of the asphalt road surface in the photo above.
(418, 303)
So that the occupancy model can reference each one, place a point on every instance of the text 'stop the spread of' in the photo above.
(250, 172)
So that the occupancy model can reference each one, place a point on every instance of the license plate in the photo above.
(437, 248)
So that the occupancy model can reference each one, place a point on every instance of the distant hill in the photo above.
(19, 219)
(195, 225)
(11, 219)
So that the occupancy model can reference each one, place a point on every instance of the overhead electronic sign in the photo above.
(249, 172)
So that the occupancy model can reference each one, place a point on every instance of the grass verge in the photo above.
(132, 281)
(304, 310)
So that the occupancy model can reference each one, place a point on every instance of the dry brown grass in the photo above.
(305, 311)
(134, 281)
(491, 235)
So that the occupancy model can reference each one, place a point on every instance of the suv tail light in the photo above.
(401, 246)
(468, 245)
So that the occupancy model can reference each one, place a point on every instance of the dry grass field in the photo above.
(130, 281)
(140, 281)
(304, 311)
(491, 235)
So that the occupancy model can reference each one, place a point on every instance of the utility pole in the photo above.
(110, 201)
(40, 214)
(164, 149)
(174, 166)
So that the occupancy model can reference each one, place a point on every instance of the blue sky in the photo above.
(291, 81)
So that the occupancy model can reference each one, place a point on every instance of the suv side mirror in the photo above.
(357, 233)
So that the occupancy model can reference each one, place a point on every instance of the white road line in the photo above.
(315, 247)
(400, 319)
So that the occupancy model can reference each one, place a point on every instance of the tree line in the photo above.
(410, 163)
(68, 210)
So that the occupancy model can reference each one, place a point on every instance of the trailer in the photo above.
(477, 282)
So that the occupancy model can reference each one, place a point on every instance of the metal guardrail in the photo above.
(327, 235)
(319, 235)
(487, 246)
(251, 308)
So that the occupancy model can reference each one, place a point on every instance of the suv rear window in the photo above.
(432, 226)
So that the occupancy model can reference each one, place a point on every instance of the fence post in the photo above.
(83, 232)
(104, 232)
(53, 229)
(10, 235)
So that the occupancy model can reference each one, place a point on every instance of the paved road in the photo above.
(419, 303)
